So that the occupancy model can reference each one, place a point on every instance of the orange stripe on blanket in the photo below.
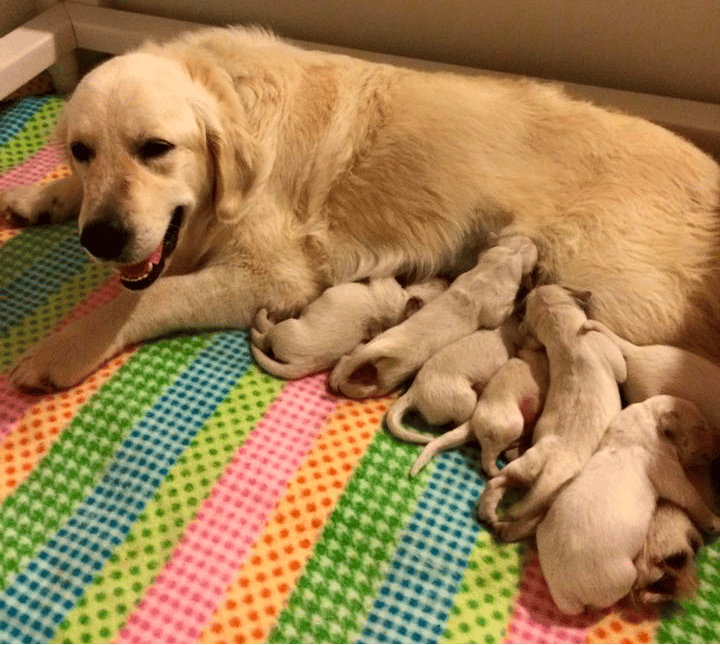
(40, 426)
(625, 627)
(34, 426)
(247, 612)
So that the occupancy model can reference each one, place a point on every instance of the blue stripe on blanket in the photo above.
(417, 596)
(51, 583)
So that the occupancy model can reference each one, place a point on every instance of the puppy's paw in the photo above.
(56, 363)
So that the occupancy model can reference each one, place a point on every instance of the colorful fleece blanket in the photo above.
(181, 495)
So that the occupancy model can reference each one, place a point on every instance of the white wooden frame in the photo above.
(51, 38)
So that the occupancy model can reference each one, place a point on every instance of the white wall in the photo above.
(666, 47)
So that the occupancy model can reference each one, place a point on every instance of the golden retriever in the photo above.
(228, 170)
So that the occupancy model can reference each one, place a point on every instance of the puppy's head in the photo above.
(686, 428)
(666, 565)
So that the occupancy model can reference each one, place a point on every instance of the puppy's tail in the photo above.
(290, 371)
(394, 420)
(261, 328)
(452, 439)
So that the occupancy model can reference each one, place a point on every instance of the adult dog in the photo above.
(227, 171)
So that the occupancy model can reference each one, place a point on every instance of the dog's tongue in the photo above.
(141, 269)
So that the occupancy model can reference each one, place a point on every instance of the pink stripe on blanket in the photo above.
(14, 404)
(180, 603)
(34, 169)
(536, 619)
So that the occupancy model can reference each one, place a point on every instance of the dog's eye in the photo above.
(154, 148)
(81, 152)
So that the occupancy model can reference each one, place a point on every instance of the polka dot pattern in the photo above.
(253, 600)
(482, 605)
(184, 595)
(624, 627)
(179, 494)
(106, 604)
(33, 134)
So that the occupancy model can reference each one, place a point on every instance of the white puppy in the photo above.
(480, 298)
(662, 369)
(506, 411)
(598, 524)
(333, 325)
(666, 565)
(583, 397)
(446, 388)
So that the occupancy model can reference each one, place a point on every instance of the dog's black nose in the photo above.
(105, 238)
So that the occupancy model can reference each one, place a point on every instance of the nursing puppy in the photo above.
(446, 388)
(342, 318)
(661, 369)
(505, 412)
(583, 397)
(666, 567)
(226, 171)
(480, 298)
(596, 527)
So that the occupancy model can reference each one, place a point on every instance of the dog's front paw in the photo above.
(56, 363)
(40, 203)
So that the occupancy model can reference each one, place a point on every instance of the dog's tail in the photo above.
(452, 439)
(394, 420)
(290, 371)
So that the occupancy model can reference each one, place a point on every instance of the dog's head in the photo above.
(146, 137)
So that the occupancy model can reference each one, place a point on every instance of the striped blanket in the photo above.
(181, 495)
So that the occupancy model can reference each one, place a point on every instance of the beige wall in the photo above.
(14, 13)
(666, 47)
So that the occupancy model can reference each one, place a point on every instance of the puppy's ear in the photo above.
(668, 424)
(582, 298)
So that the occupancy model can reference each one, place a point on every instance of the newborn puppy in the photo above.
(583, 397)
(333, 325)
(481, 298)
(662, 369)
(506, 411)
(596, 527)
(445, 388)
(666, 564)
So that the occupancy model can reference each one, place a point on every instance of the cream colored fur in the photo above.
(597, 526)
(298, 170)
(337, 322)
(583, 397)
(506, 410)
(446, 388)
(482, 297)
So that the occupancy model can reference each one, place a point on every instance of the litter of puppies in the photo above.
(525, 371)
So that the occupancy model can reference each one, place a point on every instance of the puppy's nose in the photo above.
(105, 238)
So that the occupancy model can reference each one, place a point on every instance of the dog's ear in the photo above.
(238, 159)
(237, 166)
(60, 132)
